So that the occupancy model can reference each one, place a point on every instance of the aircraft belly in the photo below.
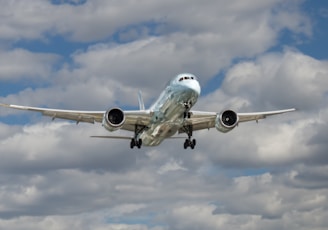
(158, 133)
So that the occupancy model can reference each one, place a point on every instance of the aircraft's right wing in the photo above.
(132, 117)
(206, 120)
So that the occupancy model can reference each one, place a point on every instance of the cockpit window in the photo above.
(187, 78)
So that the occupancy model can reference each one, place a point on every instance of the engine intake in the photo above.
(113, 119)
(226, 121)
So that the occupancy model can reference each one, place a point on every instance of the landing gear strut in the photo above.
(137, 141)
(189, 142)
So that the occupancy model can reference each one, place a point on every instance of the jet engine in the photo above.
(226, 121)
(113, 119)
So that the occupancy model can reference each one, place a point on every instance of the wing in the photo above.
(74, 115)
(206, 120)
(261, 115)
(138, 117)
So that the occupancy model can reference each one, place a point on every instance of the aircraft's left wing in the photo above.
(132, 118)
(206, 120)
(261, 115)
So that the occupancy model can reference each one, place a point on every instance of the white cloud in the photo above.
(78, 178)
(171, 165)
(272, 81)
(200, 37)
(290, 79)
(18, 63)
(99, 19)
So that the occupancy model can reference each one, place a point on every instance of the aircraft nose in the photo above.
(194, 85)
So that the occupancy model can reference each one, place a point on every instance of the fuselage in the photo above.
(170, 108)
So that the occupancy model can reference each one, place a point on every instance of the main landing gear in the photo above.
(189, 142)
(137, 142)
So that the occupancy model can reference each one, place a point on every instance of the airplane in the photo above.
(170, 114)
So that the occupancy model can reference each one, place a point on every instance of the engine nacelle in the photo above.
(113, 119)
(226, 121)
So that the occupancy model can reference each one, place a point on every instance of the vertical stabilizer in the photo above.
(141, 102)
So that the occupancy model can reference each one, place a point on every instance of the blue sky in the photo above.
(249, 55)
(319, 15)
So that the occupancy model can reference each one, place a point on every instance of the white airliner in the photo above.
(170, 114)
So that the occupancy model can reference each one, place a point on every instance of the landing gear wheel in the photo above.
(132, 144)
(194, 142)
(186, 144)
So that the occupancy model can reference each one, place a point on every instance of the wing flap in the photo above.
(78, 117)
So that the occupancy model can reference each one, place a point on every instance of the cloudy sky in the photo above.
(249, 55)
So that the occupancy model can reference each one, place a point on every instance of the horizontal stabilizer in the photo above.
(129, 138)
(113, 137)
